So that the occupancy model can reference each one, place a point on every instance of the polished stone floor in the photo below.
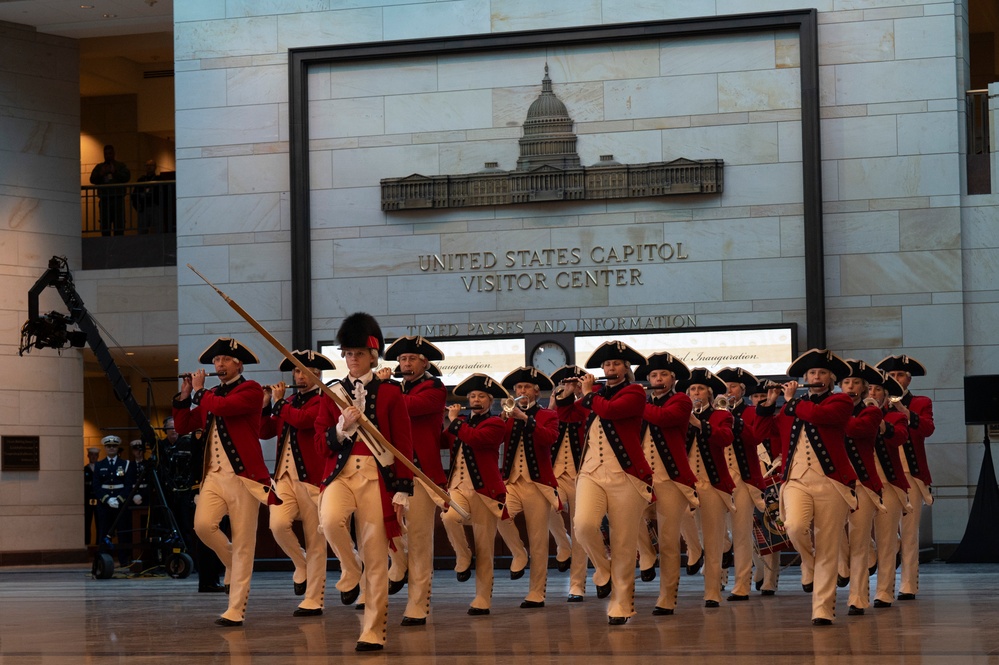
(62, 615)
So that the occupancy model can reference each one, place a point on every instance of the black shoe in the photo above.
(531, 604)
(855, 611)
(880, 604)
(842, 581)
(807, 588)
(692, 568)
(759, 584)
(736, 596)
(302, 612)
(478, 611)
(898, 560)
(906, 596)
(228, 623)
(464, 575)
(767, 592)
(711, 603)
(412, 621)
(873, 569)
(359, 607)
(517, 574)
(604, 590)
(649, 574)
(617, 621)
(396, 587)
(348, 597)
(661, 611)
(563, 566)
(368, 646)
(573, 598)
(821, 622)
(728, 559)
(211, 588)
(300, 588)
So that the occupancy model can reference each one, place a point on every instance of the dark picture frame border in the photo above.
(805, 21)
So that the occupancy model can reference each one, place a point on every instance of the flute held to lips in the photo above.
(188, 375)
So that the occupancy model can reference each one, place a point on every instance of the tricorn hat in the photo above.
(615, 350)
(111, 440)
(308, 358)
(704, 377)
(432, 368)
(482, 382)
(663, 360)
(413, 344)
(360, 331)
(893, 387)
(567, 372)
(527, 375)
(819, 358)
(869, 373)
(227, 346)
(738, 375)
(902, 364)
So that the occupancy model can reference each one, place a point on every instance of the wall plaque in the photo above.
(19, 453)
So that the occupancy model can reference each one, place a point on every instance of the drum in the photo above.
(768, 530)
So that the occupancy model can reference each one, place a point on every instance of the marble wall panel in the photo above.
(259, 262)
(256, 85)
(896, 81)
(656, 97)
(200, 89)
(471, 156)
(856, 41)
(667, 283)
(906, 272)
(982, 321)
(926, 133)
(229, 214)
(227, 126)
(394, 77)
(789, 141)
(540, 289)
(320, 170)
(259, 173)
(160, 328)
(723, 7)
(783, 271)
(603, 62)
(584, 101)
(627, 147)
(346, 209)
(859, 233)
(309, 28)
(369, 257)
(932, 325)
(509, 15)
(850, 138)
(649, 10)
(495, 70)
(225, 38)
(736, 144)
(762, 184)
(410, 294)
(759, 90)
(875, 326)
(132, 293)
(444, 111)
(930, 228)
(883, 177)
(981, 269)
(438, 19)
(198, 10)
(924, 37)
(366, 167)
(713, 54)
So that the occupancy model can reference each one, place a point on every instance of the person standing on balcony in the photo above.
(111, 200)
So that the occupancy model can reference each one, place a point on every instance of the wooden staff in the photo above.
(366, 425)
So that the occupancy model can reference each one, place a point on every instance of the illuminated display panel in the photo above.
(492, 356)
(763, 351)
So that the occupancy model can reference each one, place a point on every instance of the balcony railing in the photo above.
(129, 209)
(979, 144)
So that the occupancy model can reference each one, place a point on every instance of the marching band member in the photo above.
(919, 410)
(474, 483)
(861, 432)
(531, 487)
(298, 470)
(356, 483)
(614, 476)
(817, 495)
(767, 566)
(235, 474)
(892, 433)
(664, 437)
(708, 435)
(743, 463)
(566, 454)
(425, 396)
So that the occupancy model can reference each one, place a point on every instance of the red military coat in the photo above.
(920, 427)
(861, 434)
(711, 440)
(745, 441)
(888, 448)
(537, 435)
(298, 415)
(667, 419)
(425, 401)
(479, 439)
(827, 419)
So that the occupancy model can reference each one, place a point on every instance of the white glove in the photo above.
(113, 502)
(137, 499)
